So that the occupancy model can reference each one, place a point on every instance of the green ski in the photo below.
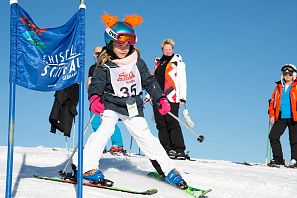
(192, 191)
(57, 179)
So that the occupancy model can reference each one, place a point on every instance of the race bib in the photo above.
(125, 81)
(131, 107)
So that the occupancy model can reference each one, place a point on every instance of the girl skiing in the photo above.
(115, 91)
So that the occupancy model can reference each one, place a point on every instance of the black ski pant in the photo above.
(170, 133)
(277, 130)
(158, 168)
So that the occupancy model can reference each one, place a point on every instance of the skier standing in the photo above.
(170, 72)
(283, 114)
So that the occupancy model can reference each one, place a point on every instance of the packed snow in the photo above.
(227, 179)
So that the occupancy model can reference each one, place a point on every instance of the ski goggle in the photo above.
(289, 67)
(122, 38)
(287, 73)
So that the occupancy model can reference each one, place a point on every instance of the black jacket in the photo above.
(64, 109)
(101, 85)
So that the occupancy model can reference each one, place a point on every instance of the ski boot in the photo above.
(71, 175)
(171, 154)
(180, 156)
(293, 164)
(275, 163)
(174, 178)
(95, 176)
(117, 150)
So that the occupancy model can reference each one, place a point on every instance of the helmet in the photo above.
(289, 67)
(120, 28)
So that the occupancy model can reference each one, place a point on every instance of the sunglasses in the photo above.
(123, 38)
(288, 73)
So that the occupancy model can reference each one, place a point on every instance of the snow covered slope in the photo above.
(227, 179)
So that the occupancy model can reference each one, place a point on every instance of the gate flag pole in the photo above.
(10, 145)
(81, 115)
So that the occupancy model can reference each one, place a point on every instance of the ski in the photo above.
(57, 179)
(244, 163)
(274, 166)
(190, 159)
(196, 192)
(249, 163)
(192, 191)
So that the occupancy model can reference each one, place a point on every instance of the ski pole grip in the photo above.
(200, 138)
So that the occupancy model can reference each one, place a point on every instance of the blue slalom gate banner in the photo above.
(46, 59)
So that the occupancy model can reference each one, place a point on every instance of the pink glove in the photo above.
(96, 106)
(163, 105)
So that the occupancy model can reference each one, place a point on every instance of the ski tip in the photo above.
(151, 191)
(196, 192)
(204, 192)
(208, 190)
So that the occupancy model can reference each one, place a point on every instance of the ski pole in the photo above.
(130, 144)
(62, 173)
(200, 138)
(74, 134)
(268, 143)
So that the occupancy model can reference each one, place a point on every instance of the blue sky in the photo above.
(233, 50)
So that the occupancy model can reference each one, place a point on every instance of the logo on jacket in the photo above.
(128, 77)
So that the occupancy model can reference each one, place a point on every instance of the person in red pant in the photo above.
(283, 114)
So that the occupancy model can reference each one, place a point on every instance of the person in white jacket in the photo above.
(170, 72)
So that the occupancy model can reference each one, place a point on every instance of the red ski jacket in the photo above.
(274, 102)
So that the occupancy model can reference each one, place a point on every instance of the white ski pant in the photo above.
(138, 128)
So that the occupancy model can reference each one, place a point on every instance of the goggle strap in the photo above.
(111, 33)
